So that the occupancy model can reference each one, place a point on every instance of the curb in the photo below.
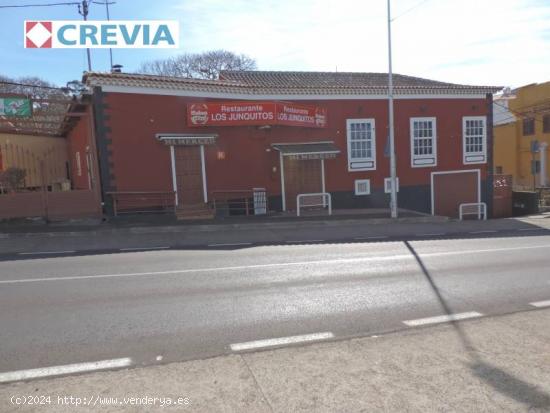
(189, 229)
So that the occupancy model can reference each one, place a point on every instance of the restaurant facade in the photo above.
(252, 141)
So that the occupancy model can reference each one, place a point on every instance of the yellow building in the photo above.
(521, 119)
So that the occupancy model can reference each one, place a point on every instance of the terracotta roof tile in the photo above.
(288, 83)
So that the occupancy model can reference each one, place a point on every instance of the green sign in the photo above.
(19, 107)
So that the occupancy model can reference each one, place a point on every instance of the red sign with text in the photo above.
(255, 113)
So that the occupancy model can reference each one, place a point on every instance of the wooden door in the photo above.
(452, 189)
(301, 177)
(189, 175)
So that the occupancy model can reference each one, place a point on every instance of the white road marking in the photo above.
(275, 265)
(483, 232)
(46, 252)
(435, 234)
(373, 237)
(305, 241)
(143, 248)
(545, 303)
(442, 318)
(234, 244)
(532, 229)
(66, 369)
(272, 342)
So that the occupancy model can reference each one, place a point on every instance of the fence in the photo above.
(321, 199)
(240, 202)
(50, 205)
(134, 202)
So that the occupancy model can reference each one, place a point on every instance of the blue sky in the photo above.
(496, 42)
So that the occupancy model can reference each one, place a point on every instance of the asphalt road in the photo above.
(168, 305)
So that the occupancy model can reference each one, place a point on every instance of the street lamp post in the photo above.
(393, 171)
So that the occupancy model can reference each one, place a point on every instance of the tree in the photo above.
(13, 178)
(207, 65)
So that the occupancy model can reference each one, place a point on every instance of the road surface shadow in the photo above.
(500, 380)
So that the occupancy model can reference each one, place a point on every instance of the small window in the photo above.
(387, 185)
(546, 124)
(78, 165)
(474, 139)
(361, 144)
(362, 187)
(423, 142)
(528, 126)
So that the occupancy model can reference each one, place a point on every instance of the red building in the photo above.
(292, 133)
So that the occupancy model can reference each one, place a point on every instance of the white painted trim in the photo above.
(203, 167)
(248, 96)
(283, 195)
(372, 159)
(478, 171)
(323, 175)
(421, 160)
(359, 182)
(174, 180)
(387, 185)
(482, 154)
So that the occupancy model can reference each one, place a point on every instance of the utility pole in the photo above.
(110, 49)
(393, 169)
(83, 11)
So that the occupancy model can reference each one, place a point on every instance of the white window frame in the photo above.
(362, 182)
(480, 157)
(366, 163)
(387, 185)
(424, 161)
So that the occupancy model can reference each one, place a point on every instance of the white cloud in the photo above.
(504, 42)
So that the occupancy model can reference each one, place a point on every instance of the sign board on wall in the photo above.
(255, 113)
(19, 107)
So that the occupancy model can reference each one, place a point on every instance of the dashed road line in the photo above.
(545, 303)
(143, 248)
(435, 234)
(46, 252)
(492, 231)
(276, 265)
(65, 369)
(442, 318)
(273, 342)
(230, 244)
(373, 237)
(532, 229)
(304, 241)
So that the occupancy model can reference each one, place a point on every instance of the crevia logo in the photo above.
(102, 34)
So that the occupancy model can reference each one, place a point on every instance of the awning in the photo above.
(308, 150)
(187, 139)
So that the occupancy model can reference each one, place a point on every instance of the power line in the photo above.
(409, 10)
(38, 5)
(29, 85)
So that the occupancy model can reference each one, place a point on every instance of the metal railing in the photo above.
(319, 199)
(474, 208)
(240, 202)
(137, 202)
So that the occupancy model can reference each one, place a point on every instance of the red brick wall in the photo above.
(140, 163)
(78, 140)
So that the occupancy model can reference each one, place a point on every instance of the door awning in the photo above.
(308, 150)
(187, 139)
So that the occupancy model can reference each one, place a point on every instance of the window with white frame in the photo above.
(362, 187)
(423, 142)
(474, 139)
(387, 185)
(361, 144)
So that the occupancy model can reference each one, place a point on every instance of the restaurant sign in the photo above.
(17, 107)
(255, 113)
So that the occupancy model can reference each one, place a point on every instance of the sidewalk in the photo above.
(498, 364)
